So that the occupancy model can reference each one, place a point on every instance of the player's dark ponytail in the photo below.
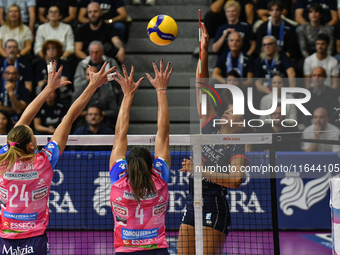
(140, 164)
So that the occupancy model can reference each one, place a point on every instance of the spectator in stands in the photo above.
(98, 30)
(280, 29)
(322, 58)
(97, 59)
(53, 50)
(50, 115)
(15, 29)
(114, 13)
(321, 129)
(6, 123)
(94, 118)
(13, 59)
(68, 10)
(271, 62)
(55, 30)
(216, 17)
(336, 36)
(14, 96)
(235, 60)
(308, 32)
(27, 12)
(267, 100)
(321, 96)
(147, 2)
(104, 96)
(276, 126)
(262, 9)
(232, 12)
(329, 8)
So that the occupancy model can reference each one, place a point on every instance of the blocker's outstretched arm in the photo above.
(160, 83)
(129, 88)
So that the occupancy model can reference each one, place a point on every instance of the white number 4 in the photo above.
(139, 214)
(23, 195)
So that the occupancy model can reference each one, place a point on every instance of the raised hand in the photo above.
(99, 78)
(54, 80)
(205, 37)
(161, 80)
(186, 166)
(126, 82)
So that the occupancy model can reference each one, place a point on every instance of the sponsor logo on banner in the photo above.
(21, 216)
(3, 193)
(24, 225)
(18, 250)
(300, 195)
(121, 220)
(101, 197)
(120, 209)
(39, 193)
(21, 176)
(158, 209)
(139, 234)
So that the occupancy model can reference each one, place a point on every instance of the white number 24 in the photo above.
(23, 195)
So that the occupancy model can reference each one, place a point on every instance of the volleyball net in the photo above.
(81, 220)
(268, 199)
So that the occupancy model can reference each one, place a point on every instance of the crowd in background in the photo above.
(259, 43)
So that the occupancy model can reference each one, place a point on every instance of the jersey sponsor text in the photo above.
(21, 176)
(39, 193)
(18, 250)
(120, 209)
(137, 234)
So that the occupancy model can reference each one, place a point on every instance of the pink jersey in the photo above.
(24, 193)
(139, 226)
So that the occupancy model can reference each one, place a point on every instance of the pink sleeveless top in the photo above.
(139, 226)
(24, 193)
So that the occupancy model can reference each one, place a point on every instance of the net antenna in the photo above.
(197, 160)
(200, 67)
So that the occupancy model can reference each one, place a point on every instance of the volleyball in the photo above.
(162, 30)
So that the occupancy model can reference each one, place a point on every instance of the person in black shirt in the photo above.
(281, 30)
(321, 96)
(98, 30)
(94, 118)
(50, 115)
(235, 60)
(216, 220)
(68, 10)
